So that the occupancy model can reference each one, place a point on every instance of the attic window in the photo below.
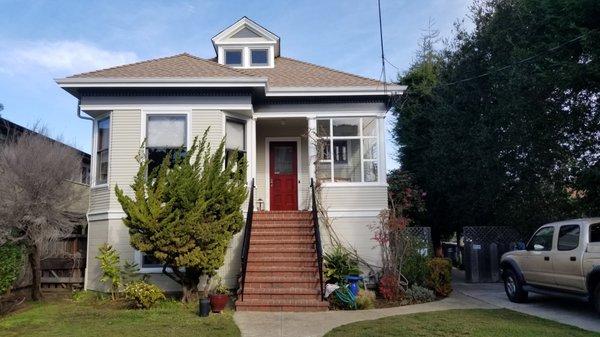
(259, 57)
(233, 57)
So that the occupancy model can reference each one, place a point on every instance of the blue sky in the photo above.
(44, 40)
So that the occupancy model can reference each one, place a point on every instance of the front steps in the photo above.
(282, 272)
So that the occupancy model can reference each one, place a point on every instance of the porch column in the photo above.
(252, 147)
(312, 147)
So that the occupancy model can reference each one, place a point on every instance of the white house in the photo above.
(273, 108)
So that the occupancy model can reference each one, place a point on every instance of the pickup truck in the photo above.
(560, 258)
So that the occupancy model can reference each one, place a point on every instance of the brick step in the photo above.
(271, 281)
(282, 215)
(282, 251)
(282, 293)
(269, 268)
(281, 236)
(283, 245)
(282, 224)
(281, 305)
(281, 273)
(281, 241)
(282, 261)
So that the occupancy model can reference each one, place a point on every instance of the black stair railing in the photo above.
(315, 220)
(247, 233)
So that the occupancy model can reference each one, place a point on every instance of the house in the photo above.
(293, 120)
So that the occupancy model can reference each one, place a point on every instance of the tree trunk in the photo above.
(36, 271)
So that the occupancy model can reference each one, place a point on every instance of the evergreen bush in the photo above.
(143, 295)
(11, 262)
(439, 276)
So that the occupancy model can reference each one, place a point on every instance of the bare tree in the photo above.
(35, 194)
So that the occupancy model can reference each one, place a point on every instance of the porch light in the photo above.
(260, 204)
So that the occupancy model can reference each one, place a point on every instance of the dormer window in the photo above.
(246, 44)
(259, 57)
(233, 57)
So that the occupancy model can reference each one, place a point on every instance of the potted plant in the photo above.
(220, 297)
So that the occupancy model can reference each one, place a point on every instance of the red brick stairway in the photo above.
(282, 272)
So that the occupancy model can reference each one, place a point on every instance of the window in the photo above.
(259, 57)
(595, 232)
(347, 149)
(568, 237)
(165, 134)
(542, 239)
(233, 57)
(150, 262)
(235, 133)
(102, 144)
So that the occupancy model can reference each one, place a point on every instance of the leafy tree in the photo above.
(35, 196)
(111, 270)
(185, 213)
(11, 264)
(509, 125)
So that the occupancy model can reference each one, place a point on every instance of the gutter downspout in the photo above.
(87, 217)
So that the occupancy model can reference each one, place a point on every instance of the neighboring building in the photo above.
(10, 130)
(266, 105)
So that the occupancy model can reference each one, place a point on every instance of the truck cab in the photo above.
(561, 257)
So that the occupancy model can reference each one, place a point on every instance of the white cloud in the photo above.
(60, 57)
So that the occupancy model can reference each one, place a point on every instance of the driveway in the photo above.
(564, 309)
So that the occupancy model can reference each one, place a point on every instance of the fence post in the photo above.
(494, 271)
(475, 249)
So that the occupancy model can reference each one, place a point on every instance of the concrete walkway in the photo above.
(292, 324)
(560, 309)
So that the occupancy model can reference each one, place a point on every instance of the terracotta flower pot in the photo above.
(218, 302)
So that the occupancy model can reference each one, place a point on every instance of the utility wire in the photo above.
(530, 58)
(382, 53)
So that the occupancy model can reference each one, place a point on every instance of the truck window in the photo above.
(595, 232)
(542, 239)
(568, 237)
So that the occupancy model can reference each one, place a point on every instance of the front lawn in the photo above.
(68, 318)
(459, 323)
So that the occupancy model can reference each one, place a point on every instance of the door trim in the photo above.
(268, 141)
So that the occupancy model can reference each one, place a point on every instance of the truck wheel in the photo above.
(596, 298)
(514, 287)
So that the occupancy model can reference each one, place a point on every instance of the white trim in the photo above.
(94, 152)
(330, 184)
(167, 107)
(268, 140)
(353, 213)
(137, 255)
(320, 114)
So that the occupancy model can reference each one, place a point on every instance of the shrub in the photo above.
(111, 271)
(11, 262)
(339, 263)
(220, 289)
(143, 295)
(414, 264)
(418, 294)
(439, 276)
(365, 299)
(389, 287)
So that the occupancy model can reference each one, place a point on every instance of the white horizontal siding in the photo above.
(99, 199)
(354, 198)
(203, 119)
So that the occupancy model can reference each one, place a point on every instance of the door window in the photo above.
(595, 232)
(568, 237)
(542, 239)
(284, 160)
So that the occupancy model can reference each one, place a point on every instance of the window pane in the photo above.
(340, 151)
(259, 56)
(542, 240)
(568, 237)
(595, 232)
(103, 126)
(236, 135)
(370, 148)
(324, 171)
(102, 167)
(233, 57)
(370, 171)
(348, 171)
(284, 159)
(323, 127)
(345, 126)
(369, 126)
(166, 131)
(150, 262)
(324, 149)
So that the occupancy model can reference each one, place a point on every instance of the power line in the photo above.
(530, 58)
(382, 53)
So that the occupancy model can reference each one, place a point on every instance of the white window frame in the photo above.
(258, 65)
(378, 139)
(237, 49)
(138, 258)
(94, 160)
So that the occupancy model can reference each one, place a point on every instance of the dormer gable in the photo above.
(246, 44)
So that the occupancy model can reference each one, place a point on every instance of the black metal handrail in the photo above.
(247, 233)
(315, 220)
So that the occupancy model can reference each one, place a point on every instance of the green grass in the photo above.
(455, 323)
(70, 318)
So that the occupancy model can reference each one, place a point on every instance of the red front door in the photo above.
(283, 167)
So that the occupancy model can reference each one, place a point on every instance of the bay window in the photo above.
(347, 149)
(165, 134)
(102, 144)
